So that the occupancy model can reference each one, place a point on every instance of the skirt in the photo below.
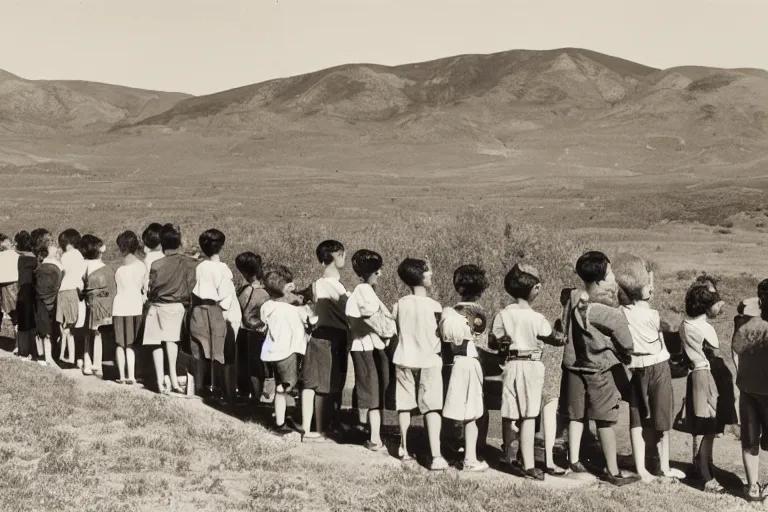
(127, 330)
(9, 293)
(709, 404)
(464, 399)
(207, 332)
(25, 308)
(163, 323)
(98, 315)
(45, 320)
(68, 308)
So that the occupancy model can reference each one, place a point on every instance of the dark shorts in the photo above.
(322, 370)
(45, 320)
(286, 372)
(592, 395)
(651, 401)
(371, 378)
(127, 330)
(753, 410)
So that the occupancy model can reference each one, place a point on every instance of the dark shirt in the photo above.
(251, 299)
(751, 344)
(47, 282)
(172, 279)
(27, 266)
(598, 337)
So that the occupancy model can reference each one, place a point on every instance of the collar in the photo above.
(53, 261)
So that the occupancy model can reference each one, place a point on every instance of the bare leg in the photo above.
(172, 349)
(705, 454)
(97, 351)
(404, 419)
(70, 348)
(63, 345)
(130, 359)
(87, 351)
(190, 384)
(159, 360)
(323, 407)
(549, 424)
(575, 431)
(527, 435)
(470, 442)
(281, 405)
(638, 452)
(663, 447)
(608, 442)
(751, 466)
(434, 423)
(48, 351)
(40, 349)
(120, 360)
(362, 416)
(307, 411)
(374, 419)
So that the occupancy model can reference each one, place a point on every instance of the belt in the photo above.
(197, 301)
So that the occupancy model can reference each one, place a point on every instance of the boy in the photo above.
(326, 357)
(750, 347)
(47, 281)
(519, 332)
(651, 404)
(69, 306)
(9, 277)
(417, 359)
(598, 335)
(286, 339)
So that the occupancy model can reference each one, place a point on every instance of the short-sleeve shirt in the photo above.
(523, 325)
(129, 280)
(693, 333)
(363, 303)
(212, 280)
(73, 263)
(150, 258)
(286, 330)
(419, 344)
(9, 266)
(330, 298)
(645, 326)
(251, 299)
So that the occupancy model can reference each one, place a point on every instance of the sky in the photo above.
(205, 46)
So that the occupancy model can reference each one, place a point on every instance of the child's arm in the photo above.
(498, 338)
(613, 323)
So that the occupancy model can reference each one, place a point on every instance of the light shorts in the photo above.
(464, 399)
(419, 388)
(522, 389)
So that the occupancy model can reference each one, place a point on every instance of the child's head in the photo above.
(762, 298)
(211, 242)
(92, 247)
(470, 281)
(367, 265)
(150, 238)
(414, 272)
(23, 241)
(702, 298)
(69, 239)
(250, 266)
(634, 280)
(523, 282)
(37, 236)
(6, 244)
(278, 281)
(128, 243)
(331, 252)
(44, 246)
(170, 237)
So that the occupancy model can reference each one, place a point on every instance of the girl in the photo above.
(9, 281)
(25, 301)
(69, 305)
(47, 281)
(99, 293)
(128, 305)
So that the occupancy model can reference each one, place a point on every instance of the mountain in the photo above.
(52, 106)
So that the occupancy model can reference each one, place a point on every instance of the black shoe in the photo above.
(555, 471)
(619, 480)
(282, 430)
(533, 474)
(578, 467)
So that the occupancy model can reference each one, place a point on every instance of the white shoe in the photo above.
(475, 467)
(438, 464)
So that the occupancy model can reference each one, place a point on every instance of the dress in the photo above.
(47, 281)
(25, 301)
(128, 303)
(100, 290)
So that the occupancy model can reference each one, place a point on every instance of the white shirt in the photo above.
(74, 270)
(330, 301)
(149, 259)
(693, 332)
(129, 299)
(92, 266)
(363, 303)
(419, 345)
(523, 325)
(212, 280)
(9, 266)
(645, 326)
(286, 330)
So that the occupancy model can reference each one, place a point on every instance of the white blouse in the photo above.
(129, 299)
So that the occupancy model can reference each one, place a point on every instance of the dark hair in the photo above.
(211, 242)
(706, 280)
(128, 242)
(699, 298)
(69, 237)
(275, 279)
(23, 241)
(249, 264)
(762, 294)
(151, 236)
(43, 241)
(37, 236)
(470, 281)
(592, 266)
(518, 283)
(411, 271)
(3, 238)
(170, 237)
(326, 249)
(365, 263)
(90, 246)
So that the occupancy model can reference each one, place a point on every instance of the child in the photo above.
(9, 281)
(128, 306)
(519, 332)
(47, 281)
(286, 338)
(372, 326)
(99, 292)
(651, 404)
(707, 407)
(598, 335)
(213, 300)
(327, 354)
(253, 371)
(68, 303)
(750, 347)
(417, 359)
(25, 300)
(171, 280)
(153, 251)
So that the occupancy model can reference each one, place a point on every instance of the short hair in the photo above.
(708, 280)
(250, 265)
(42, 243)
(275, 279)
(170, 237)
(762, 295)
(699, 298)
(37, 236)
(211, 242)
(520, 280)
(470, 281)
(128, 242)
(23, 241)
(151, 236)
(90, 246)
(69, 237)
(3, 238)
(326, 249)
(632, 276)
(411, 271)
(365, 263)
(592, 266)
